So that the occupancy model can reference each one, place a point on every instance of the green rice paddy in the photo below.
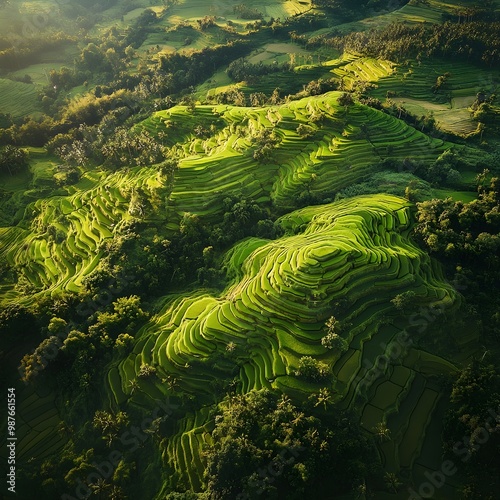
(274, 313)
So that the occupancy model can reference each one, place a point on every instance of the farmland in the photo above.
(241, 238)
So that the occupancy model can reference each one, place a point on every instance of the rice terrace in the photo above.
(250, 250)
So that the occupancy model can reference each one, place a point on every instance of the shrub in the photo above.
(312, 369)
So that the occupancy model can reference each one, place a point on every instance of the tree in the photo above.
(125, 316)
(345, 99)
(304, 131)
(312, 369)
(146, 371)
(403, 300)
(57, 326)
(275, 98)
(472, 428)
(382, 432)
(324, 397)
(34, 363)
(258, 99)
(109, 424)
(332, 339)
(13, 160)
(392, 482)
(265, 445)
(100, 487)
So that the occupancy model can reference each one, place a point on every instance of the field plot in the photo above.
(18, 99)
(38, 427)
(412, 88)
(345, 144)
(278, 52)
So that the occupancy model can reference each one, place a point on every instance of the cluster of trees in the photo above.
(245, 12)
(156, 263)
(333, 339)
(13, 160)
(241, 70)
(466, 238)
(123, 148)
(25, 50)
(444, 171)
(206, 22)
(472, 429)
(266, 140)
(119, 95)
(467, 231)
(265, 444)
(354, 9)
(81, 349)
(475, 42)
(189, 69)
(312, 370)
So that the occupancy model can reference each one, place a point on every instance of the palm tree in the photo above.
(110, 437)
(392, 482)
(324, 397)
(134, 385)
(116, 493)
(99, 487)
(382, 431)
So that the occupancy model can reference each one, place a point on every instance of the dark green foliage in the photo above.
(313, 370)
(346, 99)
(13, 160)
(266, 445)
(350, 9)
(266, 140)
(472, 428)
(244, 12)
(21, 51)
(241, 70)
(463, 230)
(466, 238)
(188, 495)
(17, 321)
(399, 41)
(402, 301)
(206, 22)
(190, 69)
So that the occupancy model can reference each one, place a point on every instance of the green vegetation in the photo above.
(250, 250)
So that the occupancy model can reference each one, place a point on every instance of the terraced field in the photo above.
(18, 99)
(345, 144)
(347, 259)
(356, 250)
(59, 240)
(412, 86)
